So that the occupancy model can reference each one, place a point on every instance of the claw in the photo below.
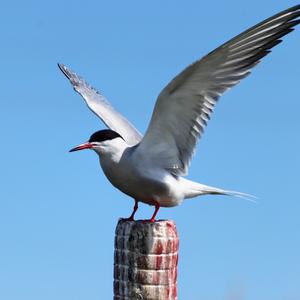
(135, 208)
(152, 220)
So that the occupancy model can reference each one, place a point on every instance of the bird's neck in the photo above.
(112, 150)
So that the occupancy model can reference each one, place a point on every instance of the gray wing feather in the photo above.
(184, 106)
(102, 108)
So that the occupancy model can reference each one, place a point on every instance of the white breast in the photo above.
(141, 182)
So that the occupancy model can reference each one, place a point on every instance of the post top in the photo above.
(147, 221)
(158, 228)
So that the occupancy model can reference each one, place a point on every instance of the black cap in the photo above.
(104, 135)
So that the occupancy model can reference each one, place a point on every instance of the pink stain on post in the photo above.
(145, 260)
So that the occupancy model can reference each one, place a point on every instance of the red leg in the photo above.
(157, 207)
(135, 208)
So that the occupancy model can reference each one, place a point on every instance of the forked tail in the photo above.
(194, 189)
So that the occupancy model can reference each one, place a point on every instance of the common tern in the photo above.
(150, 168)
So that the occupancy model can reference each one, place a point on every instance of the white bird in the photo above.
(150, 168)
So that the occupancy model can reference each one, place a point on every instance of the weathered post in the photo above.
(145, 260)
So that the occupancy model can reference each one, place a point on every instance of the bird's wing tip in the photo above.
(65, 70)
(62, 67)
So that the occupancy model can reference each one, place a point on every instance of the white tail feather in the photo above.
(244, 196)
(193, 189)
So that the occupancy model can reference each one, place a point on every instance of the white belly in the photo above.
(148, 187)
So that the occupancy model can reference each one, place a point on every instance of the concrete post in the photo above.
(145, 260)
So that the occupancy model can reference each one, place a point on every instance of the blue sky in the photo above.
(57, 210)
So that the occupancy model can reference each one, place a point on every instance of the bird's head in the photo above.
(103, 141)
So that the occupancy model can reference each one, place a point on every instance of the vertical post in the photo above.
(145, 260)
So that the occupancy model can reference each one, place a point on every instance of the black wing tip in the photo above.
(64, 70)
(294, 8)
(61, 67)
(294, 23)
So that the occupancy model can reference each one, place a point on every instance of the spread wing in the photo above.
(184, 106)
(102, 108)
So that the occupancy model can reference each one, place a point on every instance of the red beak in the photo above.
(82, 147)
